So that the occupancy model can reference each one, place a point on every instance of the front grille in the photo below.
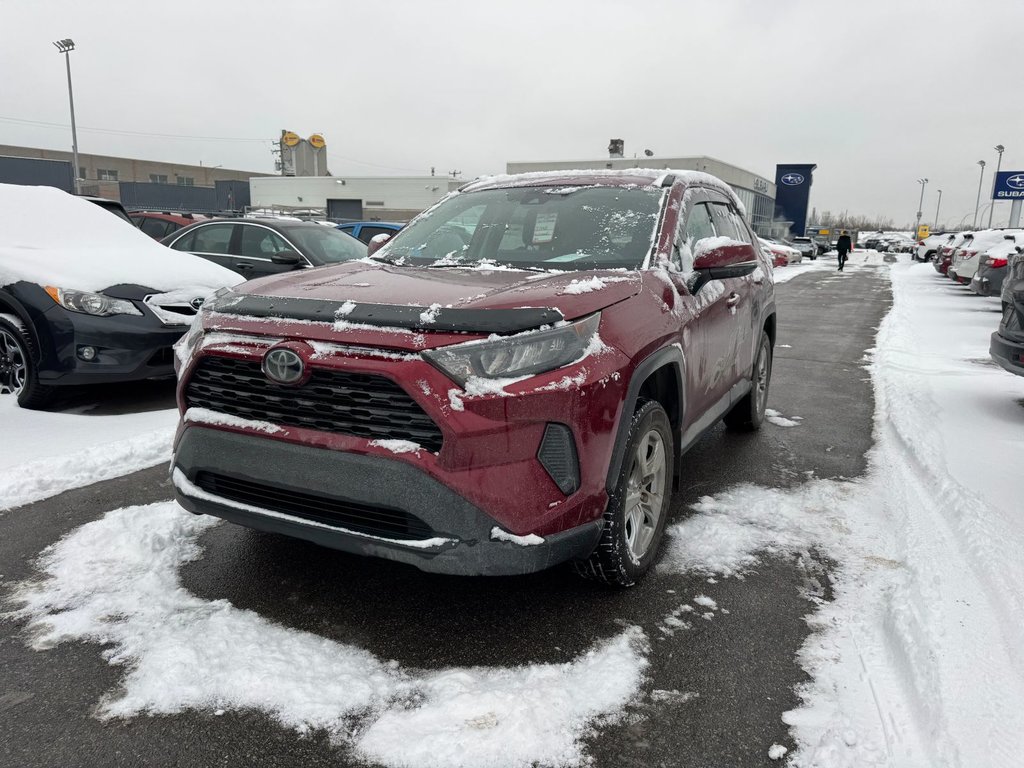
(361, 518)
(359, 404)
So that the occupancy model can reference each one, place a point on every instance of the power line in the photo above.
(119, 132)
(373, 165)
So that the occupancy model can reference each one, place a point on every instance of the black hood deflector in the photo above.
(395, 316)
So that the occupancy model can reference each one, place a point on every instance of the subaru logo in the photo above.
(793, 179)
(1016, 181)
(283, 366)
(196, 303)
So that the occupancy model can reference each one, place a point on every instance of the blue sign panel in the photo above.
(1009, 186)
(792, 194)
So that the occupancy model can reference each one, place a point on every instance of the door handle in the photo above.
(243, 265)
(733, 300)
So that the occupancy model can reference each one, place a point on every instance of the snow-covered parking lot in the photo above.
(814, 605)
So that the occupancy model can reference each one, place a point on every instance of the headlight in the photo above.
(522, 355)
(91, 303)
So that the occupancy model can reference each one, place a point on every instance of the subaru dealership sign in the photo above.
(793, 193)
(1009, 186)
(792, 179)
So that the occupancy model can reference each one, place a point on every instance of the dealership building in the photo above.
(756, 192)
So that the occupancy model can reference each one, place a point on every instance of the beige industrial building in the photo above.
(100, 174)
(380, 198)
(756, 192)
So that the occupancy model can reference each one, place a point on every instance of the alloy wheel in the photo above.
(761, 381)
(13, 365)
(645, 493)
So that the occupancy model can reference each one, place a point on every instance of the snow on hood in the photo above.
(49, 237)
(574, 293)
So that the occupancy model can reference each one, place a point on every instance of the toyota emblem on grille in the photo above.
(283, 366)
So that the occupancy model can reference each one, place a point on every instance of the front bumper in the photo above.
(1008, 354)
(128, 348)
(461, 540)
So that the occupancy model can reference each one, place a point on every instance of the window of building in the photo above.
(186, 181)
(81, 172)
(106, 175)
(158, 178)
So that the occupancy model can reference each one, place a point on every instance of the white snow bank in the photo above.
(52, 238)
(45, 453)
(115, 582)
(916, 661)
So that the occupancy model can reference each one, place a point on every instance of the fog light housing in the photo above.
(87, 353)
(557, 454)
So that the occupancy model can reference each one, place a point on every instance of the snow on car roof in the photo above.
(49, 237)
(647, 177)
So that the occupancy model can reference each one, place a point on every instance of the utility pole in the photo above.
(937, 209)
(999, 164)
(920, 205)
(977, 203)
(454, 174)
(66, 46)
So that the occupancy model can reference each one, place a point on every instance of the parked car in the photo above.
(781, 255)
(98, 301)
(159, 225)
(1007, 344)
(806, 246)
(967, 257)
(367, 230)
(260, 247)
(927, 248)
(944, 255)
(995, 264)
(508, 383)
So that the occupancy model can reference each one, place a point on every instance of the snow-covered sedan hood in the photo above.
(573, 294)
(49, 237)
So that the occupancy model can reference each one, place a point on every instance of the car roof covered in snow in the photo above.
(49, 237)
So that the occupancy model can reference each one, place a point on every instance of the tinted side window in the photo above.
(368, 233)
(214, 238)
(260, 243)
(724, 224)
(741, 226)
(698, 224)
(155, 227)
(184, 243)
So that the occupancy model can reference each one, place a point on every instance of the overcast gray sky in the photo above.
(878, 94)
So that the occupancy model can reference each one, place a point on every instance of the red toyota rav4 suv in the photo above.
(508, 383)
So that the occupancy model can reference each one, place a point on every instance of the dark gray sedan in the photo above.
(994, 266)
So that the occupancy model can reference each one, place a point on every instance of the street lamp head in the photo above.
(981, 163)
(1000, 148)
(65, 45)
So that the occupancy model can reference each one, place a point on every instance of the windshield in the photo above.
(563, 228)
(326, 245)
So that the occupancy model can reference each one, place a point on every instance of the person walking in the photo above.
(844, 246)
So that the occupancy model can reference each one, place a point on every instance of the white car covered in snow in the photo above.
(967, 257)
(87, 298)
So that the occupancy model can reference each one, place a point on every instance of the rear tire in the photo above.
(634, 521)
(18, 373)
(748, 414)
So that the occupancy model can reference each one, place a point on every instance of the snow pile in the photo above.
(398, 446)
(217, 419)
(45, 453)
(430, 314)
(115, 582)
(52, 238)
(915, 662)
(587, 285)
(776, 418)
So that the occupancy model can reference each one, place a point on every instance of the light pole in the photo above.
(999, 164)
(937, 209)
(66, 46)
(977, 203)
(920, 205)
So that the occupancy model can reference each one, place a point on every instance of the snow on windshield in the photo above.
(565, 228)
(52, 238)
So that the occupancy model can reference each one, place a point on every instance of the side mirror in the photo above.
(376, 243)
(288, 258)
(722, 260)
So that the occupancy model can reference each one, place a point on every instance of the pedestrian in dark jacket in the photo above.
(844, 246)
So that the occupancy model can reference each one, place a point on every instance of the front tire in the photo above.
(18, 374)
(748, 414)
(634, 521)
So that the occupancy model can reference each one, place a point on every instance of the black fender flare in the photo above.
(666, 356)
(11, 306)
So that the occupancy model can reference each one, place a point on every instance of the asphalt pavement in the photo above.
(740, 666)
